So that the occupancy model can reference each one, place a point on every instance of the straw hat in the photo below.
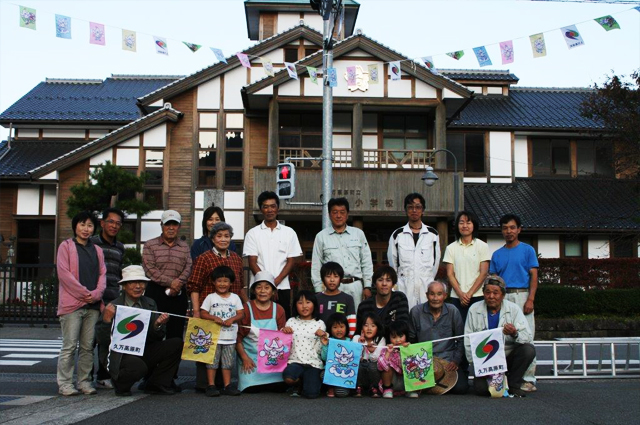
(445, 380)
(133, 274)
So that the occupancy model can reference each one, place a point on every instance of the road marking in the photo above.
(31, 350)
(18, 362)
(31, 345)
(29, 356)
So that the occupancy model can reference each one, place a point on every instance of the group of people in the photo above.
(406, 304)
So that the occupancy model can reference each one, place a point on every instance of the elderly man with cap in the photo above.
(263, 314)
(161, 357)
(434, 320)
(496, 312)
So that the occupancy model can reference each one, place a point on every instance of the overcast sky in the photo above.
(413, 28)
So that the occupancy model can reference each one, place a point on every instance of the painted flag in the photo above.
(313, 74)
(63, 26)
(417, 366)
(373, 74)
(291, 69)
(608, 23)
(244, 60)
(351, 76)
(268, 66)
(637, 8)
(482, 56)
(395, 71)
(97, 34)
(343, 360)
(498, 385)
(129, 41)
(332, 77)
(129, 330)
(572, 36)
(427, 62)
(27, 17)
(201, 340)
(506, 51)
(538, 46)
(456, 55)
(274, 348)
(193, 47)
(219, 55)
(487, 349)
(161, 45)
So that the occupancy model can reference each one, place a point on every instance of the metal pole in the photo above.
(327, 123)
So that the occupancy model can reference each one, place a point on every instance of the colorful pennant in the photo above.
(27, 17)
(244, 60)
(538, 46)
(193, 47)
(456, 55)
(482, 56)
(506, 51)
(427, 62)
(417, 366)
(63, 26)
(291, 69)
(608, 23)
(268, 67)
(274, 348)
(313, 74)
(351, 76)
(129, 41)
(201, 340)
(97, 34)
(343, 360)
(161, 45)
(373, 73)
(487, 349)
(219, 55)
(395, 71)
(332, 77)
(129, 330)
(572, 36)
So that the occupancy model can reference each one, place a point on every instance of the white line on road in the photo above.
(18, 362)
(30, 356)
(31, 350)
(31, 345)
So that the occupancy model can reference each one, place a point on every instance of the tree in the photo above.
(616, 104)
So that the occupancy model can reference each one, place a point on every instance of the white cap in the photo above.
(133, 274)
(170, 215)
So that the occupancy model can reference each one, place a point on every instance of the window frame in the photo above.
(462, 164)
(227, 150)
(215, 149)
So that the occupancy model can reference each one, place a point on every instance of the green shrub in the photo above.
(563, 301)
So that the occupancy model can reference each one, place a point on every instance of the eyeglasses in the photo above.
(114, 223)
(137, 283)
(414, 208)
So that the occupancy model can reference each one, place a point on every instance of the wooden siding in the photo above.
(8, 226)
(69, 177)
(256, 145)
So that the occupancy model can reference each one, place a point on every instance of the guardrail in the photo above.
(28, 293)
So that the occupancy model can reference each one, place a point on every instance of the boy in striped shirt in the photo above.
(332, 300)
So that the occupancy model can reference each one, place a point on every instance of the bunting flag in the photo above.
(63, 26)
(373, 73)
(193, 47)
(395, 72)
(506, 51)
(291, 69)
(219, 55)
(129, 40)
(427, 62)
(332, 77)
(487, 349)
(268, 67)
(343, 360)
(97, 34)
(129, 330)
(201, 340)
(244, 60)
(637, 8)
(608, 23)
(274, 348)
(572, 36)
(482, 56)
(456, 55)
(161, 45)
(417, 366)
(538, 46)
(313, 74)
(27, 17)
(351, 76)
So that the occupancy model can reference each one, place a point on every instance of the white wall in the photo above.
(28, 132)
(156, 137)
(500, 153)
(521, 156)
(495, 242)
(28, 200)
(288, 20)
(342, 141)
(425, 91)
(102, 157)
(311, 89)
(234, 81)
(63, 134)
(49, 200)
(134, 142)
(375, 90)
(448, 94)
(598, 247)
(313, 20)
(127, 157)
(290, 88)
(549, 246)
(494, 90)
(399, 88)
(209, 94)
(275, 56)
(96, 134)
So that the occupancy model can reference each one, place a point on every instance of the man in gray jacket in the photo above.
(495, 312)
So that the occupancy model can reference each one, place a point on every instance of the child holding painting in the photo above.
(370, 333)
(338, 326)
(390, 364)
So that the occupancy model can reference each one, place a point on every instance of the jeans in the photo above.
(520, 298)
(310, 375)
(78, 330)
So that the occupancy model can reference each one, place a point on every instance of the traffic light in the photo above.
(285, 180)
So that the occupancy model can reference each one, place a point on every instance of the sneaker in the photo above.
(358, 392)
(86, 388)
(387, 393)
(413, 394)
(528, 387)
(68, 391)
(229, 390)
(212, 391)
(104, 384)
(517, 392)
(375, 393)
(331, 393)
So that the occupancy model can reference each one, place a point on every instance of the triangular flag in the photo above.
(637, 8)
(332, 77)
(268, 67)
(395, 72)
(482, 56)
(161, 45)
(313, 74)
(193, 47)
(608, 23)
(538, 46)
(27, 17)
(456, 55)
(373, 74)
(219, 55)
(506, 51)
(291, 69)
(351, 76)
(427, 62)
(572, 36)
(129, 41)
(244, 60)
(97, 34)
(63, 26)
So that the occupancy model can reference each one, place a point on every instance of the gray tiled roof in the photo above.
(27, 155)
(548, 204)
(479, 74)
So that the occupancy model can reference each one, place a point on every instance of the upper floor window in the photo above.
(551, 157)
(153, 167)
(234, 143)
(594, 157)
(469, 151)
(407, 132)
(207, 149)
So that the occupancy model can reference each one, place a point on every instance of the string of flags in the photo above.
(98, 36)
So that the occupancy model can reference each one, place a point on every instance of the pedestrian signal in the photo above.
(285, 180)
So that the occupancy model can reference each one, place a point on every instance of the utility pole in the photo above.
(327, 121)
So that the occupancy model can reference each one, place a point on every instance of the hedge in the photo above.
(603, 273)
(562, 301)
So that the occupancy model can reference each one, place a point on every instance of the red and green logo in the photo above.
(130, 327)
(487, 349)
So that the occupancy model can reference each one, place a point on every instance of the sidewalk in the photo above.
(19, 331)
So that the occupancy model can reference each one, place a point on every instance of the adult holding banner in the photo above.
(154, 358)
(496, 312)
(263, 314)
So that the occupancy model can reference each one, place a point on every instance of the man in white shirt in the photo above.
(273, 247)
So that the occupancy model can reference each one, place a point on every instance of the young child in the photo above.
(225, 308)
(389, 362)
(337, 325)
(332, 300)
(304, 361)
(370, 332)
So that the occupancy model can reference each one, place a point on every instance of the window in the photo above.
(406, 132)
(233, 155)
(36, 242)
(594, 158)
(291, 54)
(301, 131)
(625, 247)
(573, 247)
(153, 167)
(551, 157)
(207, 149)
(469, 151)
(310, 50)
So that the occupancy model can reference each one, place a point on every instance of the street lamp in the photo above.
(429, 178)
